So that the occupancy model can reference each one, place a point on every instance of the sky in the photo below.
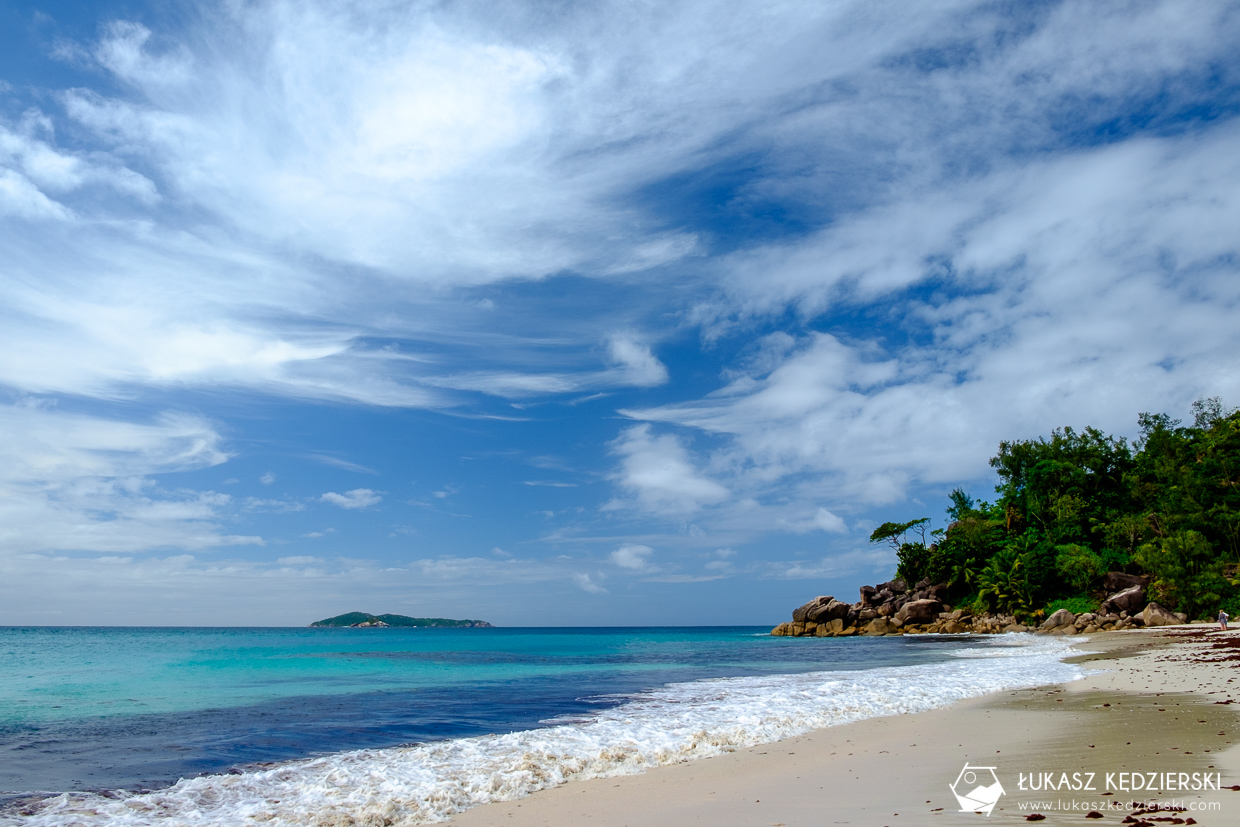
(550, 313)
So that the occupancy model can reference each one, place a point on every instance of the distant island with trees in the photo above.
(1078, 505)
(364, 620)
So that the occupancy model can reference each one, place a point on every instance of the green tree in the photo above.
(1188, 575)
(1078, 504)
(913, 559)
(1066, 485)
(1003, 585)
(962, 504)
(1078, 566)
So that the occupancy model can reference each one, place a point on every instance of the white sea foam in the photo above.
(673, 724)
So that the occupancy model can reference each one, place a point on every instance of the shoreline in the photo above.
(1160, 700)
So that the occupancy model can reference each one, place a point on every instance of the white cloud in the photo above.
(658, 471)
(829, 522)
(1081, 290)
(431, 145)
(978, 251)
(357, 498)
(34, 173)
(635, 557)
(19, 198)
(299, 560)
(389, 122)
(77, 482)
(876, 561)
(277, 506)
(208, 590)
(455, 148)
(634, 365)
(123, 51)
(267, 478)
(639, 365)
(586, 584)
(337, 462)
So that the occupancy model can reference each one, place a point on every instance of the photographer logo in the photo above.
(977, 789)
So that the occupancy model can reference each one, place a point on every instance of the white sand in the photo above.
(1155, 708)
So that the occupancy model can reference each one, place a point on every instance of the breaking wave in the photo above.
(673, 724)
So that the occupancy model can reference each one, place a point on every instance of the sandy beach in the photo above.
(1161, 709)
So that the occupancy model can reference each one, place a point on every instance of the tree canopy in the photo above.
(1076, 505)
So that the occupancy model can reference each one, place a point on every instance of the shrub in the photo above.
(1115, 560)
(1003, 586)
(1078, 566)
(913, 562)
(1077, 605)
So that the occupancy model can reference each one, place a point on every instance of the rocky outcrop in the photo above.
(1063, 622)
(830, 611)
(1063, 617)
(892, 608)
(880, 626)
(1117, 581)
(1155, 615)
(1131, 600)
(920, 611)
(801, 613)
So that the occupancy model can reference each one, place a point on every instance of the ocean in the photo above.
(298, 726)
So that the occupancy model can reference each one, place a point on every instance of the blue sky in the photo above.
(556, 313)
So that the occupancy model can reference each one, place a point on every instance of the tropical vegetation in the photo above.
(1072, 507)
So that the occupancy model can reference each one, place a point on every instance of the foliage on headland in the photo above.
(365, 619)
(1079, 504)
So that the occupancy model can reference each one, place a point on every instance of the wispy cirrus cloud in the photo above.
(82, 483)
(1075, 291)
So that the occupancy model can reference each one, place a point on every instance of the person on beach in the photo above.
(1222, 619)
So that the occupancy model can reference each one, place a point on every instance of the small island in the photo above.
(365, 620)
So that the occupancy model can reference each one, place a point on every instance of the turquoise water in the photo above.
(101, 708)
(323, 727)
(54, 674)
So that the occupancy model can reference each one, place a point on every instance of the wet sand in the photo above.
(1162, 701)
